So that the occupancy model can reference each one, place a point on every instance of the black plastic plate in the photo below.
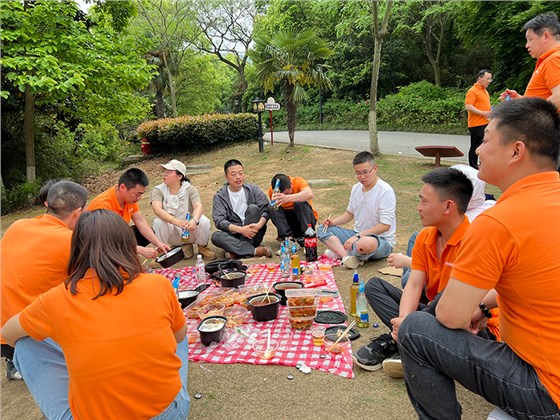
(330, 317)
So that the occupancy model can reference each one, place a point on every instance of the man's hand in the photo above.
(478, 322)
(512, 94)
(249, 231)
(398, 260)
(280, 199)
(163, 247)
(147, 252)
(350, 242)
(396, 323)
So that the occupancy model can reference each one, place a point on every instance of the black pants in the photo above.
(140, 240)
(293, 222)
(477, 134)
(7, 351)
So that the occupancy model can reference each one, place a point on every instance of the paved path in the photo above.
(390, 142)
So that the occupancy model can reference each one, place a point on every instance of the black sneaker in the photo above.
(11, 371)
(371, 356)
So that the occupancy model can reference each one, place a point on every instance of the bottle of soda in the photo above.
(175, 284)
(310, 243)
(296, 264)
(362, 314)
(185, 235)
(354, 293)
(276, 190)
(200, 269)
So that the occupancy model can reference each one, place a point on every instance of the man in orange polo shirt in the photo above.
(477, 104)
(543, 43)
(444, 199)
(35, 254)
(508, 259)
(123, 200)
(291, 210)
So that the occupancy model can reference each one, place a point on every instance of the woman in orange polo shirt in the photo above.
(121, 360)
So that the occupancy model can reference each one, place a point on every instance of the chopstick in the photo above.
(324, 226)
(343, 334)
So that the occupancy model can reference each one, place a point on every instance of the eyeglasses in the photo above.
(364, 173)
(490, 80)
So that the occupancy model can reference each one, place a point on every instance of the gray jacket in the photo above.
(222, 210)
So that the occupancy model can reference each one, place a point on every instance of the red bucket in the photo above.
(146, 148)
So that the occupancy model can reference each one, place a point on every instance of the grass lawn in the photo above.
(253, 392)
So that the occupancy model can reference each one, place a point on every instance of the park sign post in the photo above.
(270, 106)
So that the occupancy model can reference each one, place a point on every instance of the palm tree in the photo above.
(295, 60)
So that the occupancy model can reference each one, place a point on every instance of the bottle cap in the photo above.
(199, 256)
(361, 287)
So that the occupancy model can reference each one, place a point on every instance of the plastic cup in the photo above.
(318, 334)
(271, 267)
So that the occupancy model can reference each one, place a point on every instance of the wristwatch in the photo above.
(357, 235)
(196, 221)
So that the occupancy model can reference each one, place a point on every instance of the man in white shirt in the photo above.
(372, 206)
(240, 212)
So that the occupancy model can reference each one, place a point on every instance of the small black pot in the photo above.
(232, 278)
(186, 297)
(266, 312)
(171, 258)
(282, 292)
(207, 337)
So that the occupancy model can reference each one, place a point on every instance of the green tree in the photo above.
(295, 60)
(62, 62)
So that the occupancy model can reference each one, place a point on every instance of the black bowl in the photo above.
(232, 278)
(266, 312)
(287, 285)
(215, 335)
(186, 297)
(170, 258)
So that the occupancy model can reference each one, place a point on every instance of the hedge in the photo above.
(202, 132)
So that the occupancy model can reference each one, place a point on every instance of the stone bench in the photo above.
(438, 152)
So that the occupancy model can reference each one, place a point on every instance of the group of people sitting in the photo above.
(74, 294)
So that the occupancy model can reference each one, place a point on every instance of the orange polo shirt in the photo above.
(34, 258)
(119, 349)
(546, 75)
(298, 184)
(108, 200)
(478, 97)
(513, 247)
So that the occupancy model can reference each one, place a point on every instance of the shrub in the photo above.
(20, 196)
(203, 132)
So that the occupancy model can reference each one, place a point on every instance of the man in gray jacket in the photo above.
(240, 212)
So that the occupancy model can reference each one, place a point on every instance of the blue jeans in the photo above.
(434, 357)
(383, 249)
(406, 270)
(43, 367)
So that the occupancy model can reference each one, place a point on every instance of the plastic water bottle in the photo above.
(354, 293)
(310, 243)
(284, 261)
(200, 269)
(362, 314)
(185, 235)
(276, 190)
(175, 284)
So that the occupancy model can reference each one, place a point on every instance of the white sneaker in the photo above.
(393, 367)
(351, 262)
(332, 255)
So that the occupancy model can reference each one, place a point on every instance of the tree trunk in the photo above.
(29, 134)
(160, 104)
(291, 109)
(171, 86)
(242, 88)
(379, 34)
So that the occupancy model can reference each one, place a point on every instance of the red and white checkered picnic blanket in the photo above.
(296, 347)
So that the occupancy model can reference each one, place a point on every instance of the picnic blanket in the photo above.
(295, 347)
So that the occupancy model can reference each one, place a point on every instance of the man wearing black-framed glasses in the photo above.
(372, 206)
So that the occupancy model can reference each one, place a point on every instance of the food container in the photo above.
(232, 278)
(212, 329)
(262, 349)
(326, 295)
(262, 310)
(186, 297)
(213, 309)
(302, 311)
(340, 347)
(236, 315)
(301, 297)
(171, 258)
(301, 322)
(281, 287)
